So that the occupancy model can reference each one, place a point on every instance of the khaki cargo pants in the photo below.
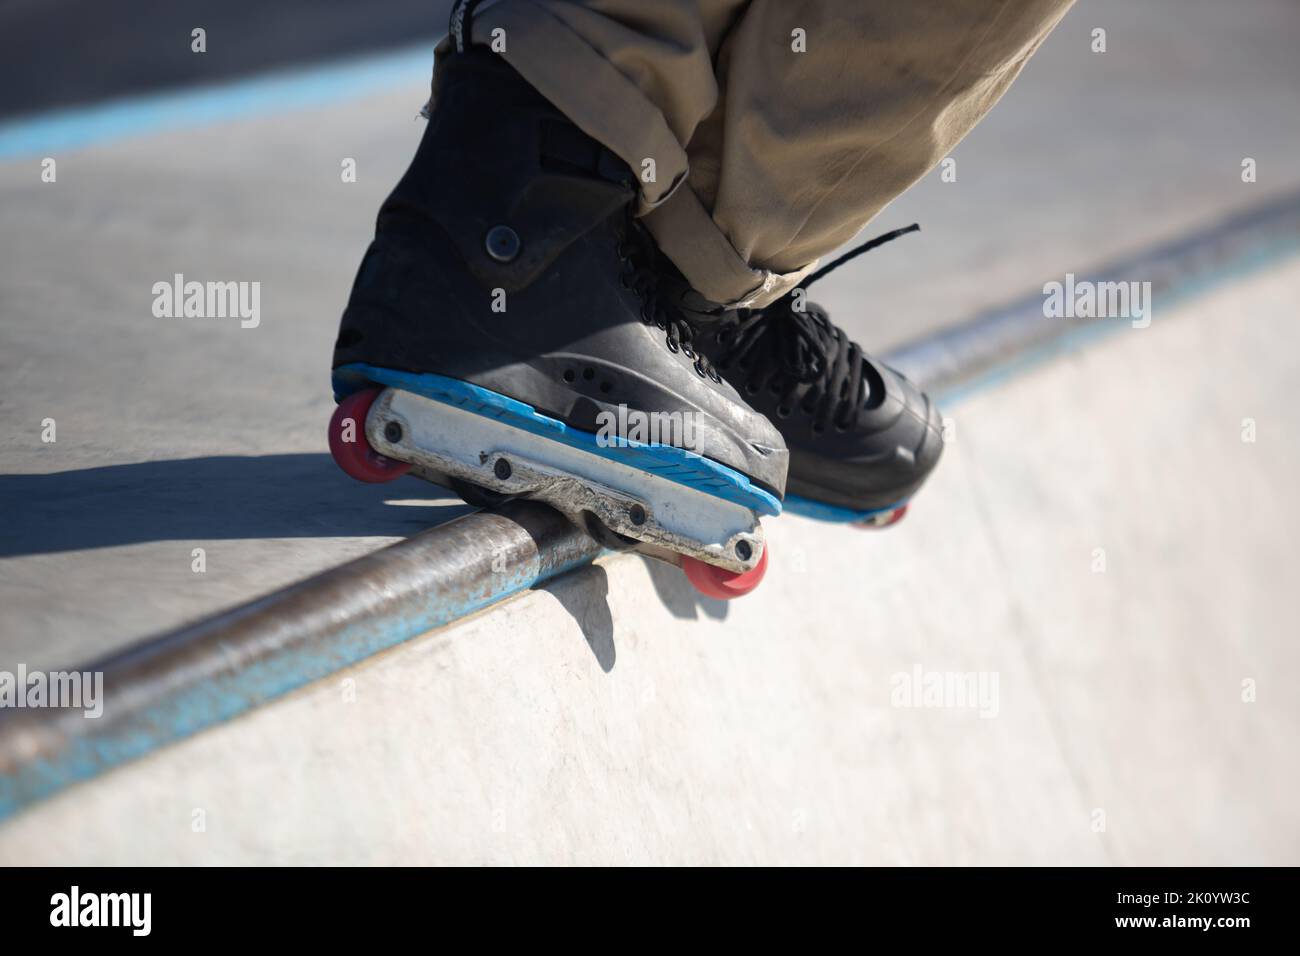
(766, 133)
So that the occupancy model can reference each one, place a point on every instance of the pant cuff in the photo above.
(609, 107)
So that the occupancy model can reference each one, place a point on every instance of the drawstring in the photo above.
(854, 253)
(786, 349)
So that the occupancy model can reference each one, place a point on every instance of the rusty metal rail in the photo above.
(1003, 340)
(180, 682)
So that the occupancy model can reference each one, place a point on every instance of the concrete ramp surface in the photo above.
(1076, 649)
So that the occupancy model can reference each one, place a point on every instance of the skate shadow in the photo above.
(584, 595)
(213, 498)
(679, 596)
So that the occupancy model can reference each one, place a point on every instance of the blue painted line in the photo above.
(691, 470)
(56, 132)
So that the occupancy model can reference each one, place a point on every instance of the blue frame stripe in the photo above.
(675, 464)
(821, 511)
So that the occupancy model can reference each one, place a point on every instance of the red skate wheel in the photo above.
(356, 457)
(715, 582)
(882, 520)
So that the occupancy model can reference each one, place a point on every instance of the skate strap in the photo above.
(462, 17)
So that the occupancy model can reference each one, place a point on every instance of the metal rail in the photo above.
(180, 682)
(998, 342)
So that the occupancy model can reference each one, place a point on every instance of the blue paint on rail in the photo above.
(208, 702)
(1263, 256)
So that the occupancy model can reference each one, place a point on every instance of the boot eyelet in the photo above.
(751, 388)
(502, 243)
(672, 346)
(783, 411)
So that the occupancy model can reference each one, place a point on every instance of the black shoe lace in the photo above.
(787, 349)
(643, 275)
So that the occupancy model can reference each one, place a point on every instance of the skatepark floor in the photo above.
(177, 434)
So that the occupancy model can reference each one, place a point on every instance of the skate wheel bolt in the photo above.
(743, 550)
(393, 432)
(637, 514)
(502, 469)
(503, 243)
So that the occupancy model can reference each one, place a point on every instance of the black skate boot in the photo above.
(505, 337)
(862, 438)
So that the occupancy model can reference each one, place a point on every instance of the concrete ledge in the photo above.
(611, 716)
(182, 682)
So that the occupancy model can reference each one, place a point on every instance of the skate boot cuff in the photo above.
(509, 180)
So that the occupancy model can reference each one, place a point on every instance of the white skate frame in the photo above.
(443, 441)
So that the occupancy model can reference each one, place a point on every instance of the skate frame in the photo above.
(653, 515)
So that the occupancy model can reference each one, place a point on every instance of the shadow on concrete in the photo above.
(679, 596)
(224, 497)
(584, 594)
